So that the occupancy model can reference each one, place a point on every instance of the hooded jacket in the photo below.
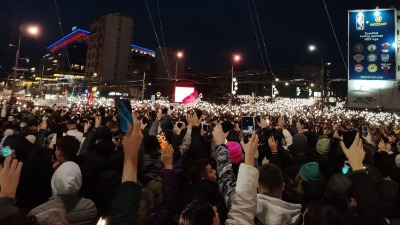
(273, 211)
(66, 183)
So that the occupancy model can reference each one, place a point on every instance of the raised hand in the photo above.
(219, 135)
(9, 177)
(264, 123)
(97, 121)
(250, 149)
(272, 143)
(355, 154)
(131, 143)
(281, 122)
(167, 157)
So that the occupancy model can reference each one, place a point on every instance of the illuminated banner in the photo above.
(372, 44)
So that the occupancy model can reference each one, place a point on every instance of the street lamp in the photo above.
(236, 58)
(312, 48)
(33, 30)
(179, 55)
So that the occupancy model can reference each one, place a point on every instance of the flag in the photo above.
(192, 99)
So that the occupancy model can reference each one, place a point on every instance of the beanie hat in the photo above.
(309, 171)
(234, 151)
(323, 146)
(397, 160)
(299, 144)
(67, 179)
(8, 132)
(31, 138)
(338, 185)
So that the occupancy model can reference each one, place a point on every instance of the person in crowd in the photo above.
(66, 183)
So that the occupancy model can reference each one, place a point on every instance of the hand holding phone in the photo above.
(5, 151)
(163, 141)
(247, 124)
(124, 112)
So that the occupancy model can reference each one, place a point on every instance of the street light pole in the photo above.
(323, 83)
(143, 85)
(236, 58)
(16, 66)
(313, 48)
(231, 95)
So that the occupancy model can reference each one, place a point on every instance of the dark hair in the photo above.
(104, 148)
(20, 144)
(270, 177)
(198, 170)
(69, 146)
(198, 212)
(322, 213)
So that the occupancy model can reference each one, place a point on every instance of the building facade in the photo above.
(109, 47)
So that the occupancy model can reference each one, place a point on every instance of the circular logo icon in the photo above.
(372, 68)
(371, 47)
(358, 47)
(358, 68)
(372, 57)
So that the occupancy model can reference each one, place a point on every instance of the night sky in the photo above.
(208, 31)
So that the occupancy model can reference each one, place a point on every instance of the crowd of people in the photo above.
(198, 165)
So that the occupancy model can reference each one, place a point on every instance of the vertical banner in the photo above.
(372, 44)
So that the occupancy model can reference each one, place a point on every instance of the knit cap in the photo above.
(323, 146)
(309, 171)
(234, 151)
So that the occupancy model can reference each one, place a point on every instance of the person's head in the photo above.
(67, 179)
(270, 181)
(113, 126)
(324, 125)
(71, 124)
(202, 170)
(322, 213)
(20, 144)
(199, 212)
(67, 148)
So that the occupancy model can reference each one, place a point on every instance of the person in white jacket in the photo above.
(271, 209)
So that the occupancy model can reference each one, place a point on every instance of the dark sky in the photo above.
(209, 31)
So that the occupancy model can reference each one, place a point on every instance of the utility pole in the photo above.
(143, 85)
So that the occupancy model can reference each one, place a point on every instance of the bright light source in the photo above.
(312, 85)
(377, 13)
(286, 84)
(234, 79)
(312, 48)
(276, 79)
(179, 54)
(328, 63)
(33, 30)
(237, 58)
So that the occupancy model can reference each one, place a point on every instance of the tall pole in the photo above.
(40, 83)
(143, 85)
(323, 83)
(176, 71)
(16, 67)
(231, 95)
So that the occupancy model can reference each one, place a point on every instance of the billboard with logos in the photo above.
(372, 44)
(373, 72)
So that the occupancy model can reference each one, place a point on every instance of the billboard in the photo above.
(372, 44)
(182, 92)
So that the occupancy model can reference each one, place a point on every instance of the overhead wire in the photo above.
(162, 30)
(334, 33)
(62, 35)
(158, 41)
(255, 34)
(262, 38)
